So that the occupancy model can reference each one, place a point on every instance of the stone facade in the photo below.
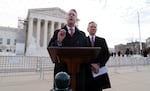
(8, 37)
(120, 48)
(134, 47)
(41, 24)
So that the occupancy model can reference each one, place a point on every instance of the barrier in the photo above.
(18, 65)
(26, 65)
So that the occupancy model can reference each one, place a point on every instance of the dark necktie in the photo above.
(92, 41)
(71, 31)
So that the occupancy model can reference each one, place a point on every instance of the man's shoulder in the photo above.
(100, 38)
(81, 32)
(57, 30)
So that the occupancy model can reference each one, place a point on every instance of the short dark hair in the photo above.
(73, 10)
(91, 22)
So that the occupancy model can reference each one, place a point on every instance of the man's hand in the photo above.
(61, 35)
(95, 67)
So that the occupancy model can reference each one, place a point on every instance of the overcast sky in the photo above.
(117, 19)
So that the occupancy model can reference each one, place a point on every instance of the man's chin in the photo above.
(71, 22)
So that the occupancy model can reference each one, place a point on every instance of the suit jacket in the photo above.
(100, 82)
(77, 40)
(104, 53)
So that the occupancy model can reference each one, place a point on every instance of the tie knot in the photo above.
(92, 38)
(71, 31)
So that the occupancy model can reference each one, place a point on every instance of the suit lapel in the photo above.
(74, 38)
(75, 35)
(95, 41)
(89, 40)
(67, 33)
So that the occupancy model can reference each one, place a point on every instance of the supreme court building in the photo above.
(40, 27)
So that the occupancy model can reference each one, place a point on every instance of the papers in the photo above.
(102, 71)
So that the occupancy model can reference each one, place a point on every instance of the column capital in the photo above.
(38, 19)
(30, 18)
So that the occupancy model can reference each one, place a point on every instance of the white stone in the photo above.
(41, 29)
(5, 34)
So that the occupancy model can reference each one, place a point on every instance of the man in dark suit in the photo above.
(68, 36)
(102, 81)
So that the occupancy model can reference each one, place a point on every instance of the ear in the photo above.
(77, 19)
(88, 29)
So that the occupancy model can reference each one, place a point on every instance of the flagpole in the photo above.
(139, 31)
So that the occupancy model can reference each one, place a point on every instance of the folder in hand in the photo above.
(102, 71)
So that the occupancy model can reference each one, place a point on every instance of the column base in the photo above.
(37, 52)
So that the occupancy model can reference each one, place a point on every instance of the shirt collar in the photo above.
(91, 37)
(69, 29)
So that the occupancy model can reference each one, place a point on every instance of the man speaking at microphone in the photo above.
(68, 36)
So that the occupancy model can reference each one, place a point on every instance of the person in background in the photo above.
(145, 55)
(102, 81)
(127, 52)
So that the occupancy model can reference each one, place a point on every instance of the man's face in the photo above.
(71, 17)
(92, 28)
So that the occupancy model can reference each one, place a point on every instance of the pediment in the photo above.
(55, 12)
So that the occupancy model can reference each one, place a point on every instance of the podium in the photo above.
(73, 57)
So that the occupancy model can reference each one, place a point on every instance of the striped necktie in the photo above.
(71, 31)
(92, 41)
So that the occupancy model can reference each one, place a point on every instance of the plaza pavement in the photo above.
(122, 79)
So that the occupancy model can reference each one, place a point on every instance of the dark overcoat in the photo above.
(77, 40)
(102, 81)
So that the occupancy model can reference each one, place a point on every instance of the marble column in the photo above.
(59, 25)
(30, 30)
(45, 33)
(38, 32)
(52, 28)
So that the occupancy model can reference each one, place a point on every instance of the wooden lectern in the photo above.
(73, 57)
